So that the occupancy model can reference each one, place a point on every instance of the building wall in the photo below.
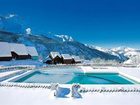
(20, 57)
(5, 58)
(77, 61)
(56, 60)
(67, 61)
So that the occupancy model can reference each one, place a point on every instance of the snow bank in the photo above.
(20, 62)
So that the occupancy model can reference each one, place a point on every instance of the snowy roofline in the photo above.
(32, 51)
(20, 49)
(66, 56)
(54, 54)
(76, 58)
(5, 50)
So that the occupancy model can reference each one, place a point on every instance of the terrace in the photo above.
(34, 93)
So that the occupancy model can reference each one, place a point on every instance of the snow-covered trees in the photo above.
(134, 60)
(100, 61)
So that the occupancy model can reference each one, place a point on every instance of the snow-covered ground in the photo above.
(7, 73)
(41, 96)
(20, 62)
(24, 96)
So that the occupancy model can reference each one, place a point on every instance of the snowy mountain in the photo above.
(59, 37)
(45, 45)
(63, 38)
(110, 51)
(124, 53)
(128, 52)
(132, 54)
(12, 30)
(135, 60)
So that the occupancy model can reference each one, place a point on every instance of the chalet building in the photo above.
(55, 57)
(5, 52)
(19, 51)
(66, 59)
(32, 52)
(76, 59)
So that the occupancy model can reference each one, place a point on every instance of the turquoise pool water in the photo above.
(81, 78)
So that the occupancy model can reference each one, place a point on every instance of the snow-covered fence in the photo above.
(25, 85)
(82, 89)
(111, 89)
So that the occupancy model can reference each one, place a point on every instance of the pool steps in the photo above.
(10, 75)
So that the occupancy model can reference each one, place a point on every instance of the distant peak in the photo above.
(123, 48)
(64, 38)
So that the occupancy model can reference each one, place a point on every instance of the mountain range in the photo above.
(122, 52)
(12, 31)
(45, 45)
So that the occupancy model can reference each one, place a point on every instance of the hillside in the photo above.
(45, 45)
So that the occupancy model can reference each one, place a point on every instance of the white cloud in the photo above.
(28, 31)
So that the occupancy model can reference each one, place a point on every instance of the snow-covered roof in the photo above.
(54, 54)
(76, 58)
(20, 49)
(32, 51)
(66, 56)
(5, 49)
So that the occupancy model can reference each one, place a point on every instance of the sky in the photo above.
(106, 23)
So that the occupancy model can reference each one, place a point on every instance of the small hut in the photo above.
(19, 51)
(55, 57)
(66, 59)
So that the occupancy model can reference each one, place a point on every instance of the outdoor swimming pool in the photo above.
(69, 78)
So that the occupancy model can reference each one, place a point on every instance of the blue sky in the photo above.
(106, 23)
